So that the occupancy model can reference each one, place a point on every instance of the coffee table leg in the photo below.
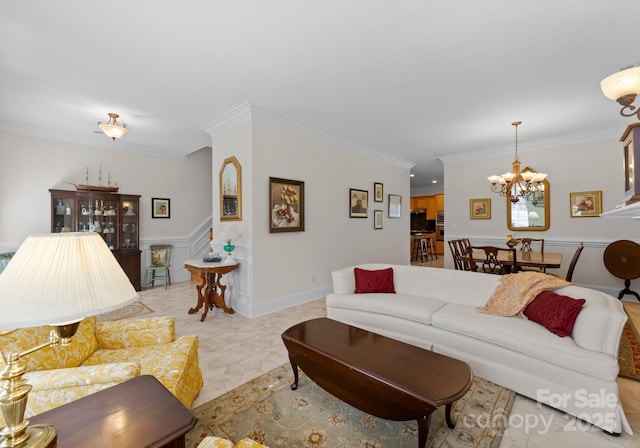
(447, 413)
(423, 431)
(294, 366)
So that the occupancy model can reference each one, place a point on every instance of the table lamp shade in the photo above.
(60, 278)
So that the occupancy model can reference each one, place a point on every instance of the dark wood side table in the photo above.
(137, 413)
(622, 259)
(210, 290)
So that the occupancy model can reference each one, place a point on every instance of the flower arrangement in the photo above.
(289, 198)
(512, 241)
(288, 195)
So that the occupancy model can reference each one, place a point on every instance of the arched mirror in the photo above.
(230, 190)
(531, 212)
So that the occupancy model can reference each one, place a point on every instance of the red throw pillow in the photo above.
(555, 312)
(374, 281)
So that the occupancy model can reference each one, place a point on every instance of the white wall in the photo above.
(235, 141)
(590, 166)
(282, 269)
(29, 167)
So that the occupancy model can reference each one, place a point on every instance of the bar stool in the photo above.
(431, 244)
(416, 252)
(424, 249)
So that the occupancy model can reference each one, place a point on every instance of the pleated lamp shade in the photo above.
(59, 278)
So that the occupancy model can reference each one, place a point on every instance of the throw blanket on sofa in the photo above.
(515, 291)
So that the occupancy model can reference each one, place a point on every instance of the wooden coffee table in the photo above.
(137, 413)
(378, 375)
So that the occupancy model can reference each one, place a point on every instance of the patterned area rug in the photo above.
(629, 353)
(135, 309)
(268, 411)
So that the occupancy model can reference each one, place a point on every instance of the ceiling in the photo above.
(418, 80)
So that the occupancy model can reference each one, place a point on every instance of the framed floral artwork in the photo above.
(585, 204)
(286, 199)
(480, 208)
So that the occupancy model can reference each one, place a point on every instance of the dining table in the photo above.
(534, 259)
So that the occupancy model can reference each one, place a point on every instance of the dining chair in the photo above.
(572, 265)
(530, 245)
(497, 260)
(463, 247)
(455, 253)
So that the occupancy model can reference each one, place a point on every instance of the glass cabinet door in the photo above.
(63, 219)
(100, 216)
(129, 224)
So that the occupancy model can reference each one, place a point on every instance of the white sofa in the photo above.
(437, 309)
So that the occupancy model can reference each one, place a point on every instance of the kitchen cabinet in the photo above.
(431, 204)
(421, 203)
(418, 203)
(439, 202)
(431, 207)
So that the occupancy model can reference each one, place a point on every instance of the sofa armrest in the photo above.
(53, 388)
(83, 376)
(129, 333)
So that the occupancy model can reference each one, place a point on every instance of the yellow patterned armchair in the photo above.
(217, 442)
(104, 354)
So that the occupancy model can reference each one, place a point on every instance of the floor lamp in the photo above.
(53, 279)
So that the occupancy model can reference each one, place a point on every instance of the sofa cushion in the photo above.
(555, 312)
(174, 364)
(418, 309)
(378, 281)
(526, 337)
(130, 333)
(83, 344)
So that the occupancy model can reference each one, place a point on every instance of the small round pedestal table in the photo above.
(622, 259)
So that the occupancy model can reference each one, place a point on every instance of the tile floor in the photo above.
(235, 349)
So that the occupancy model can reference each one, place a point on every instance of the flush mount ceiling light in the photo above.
(112, 128)
(515, 184)
(623, 87)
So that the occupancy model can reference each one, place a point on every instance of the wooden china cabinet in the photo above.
(114, 216)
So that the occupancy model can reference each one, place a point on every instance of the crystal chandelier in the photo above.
(112, 128)
(516, 184)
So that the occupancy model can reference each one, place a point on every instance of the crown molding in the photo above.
(590, 136)
(228, 120)
(246, 112)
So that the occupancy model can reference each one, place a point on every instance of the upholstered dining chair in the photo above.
(497, 260)
(160, 265)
